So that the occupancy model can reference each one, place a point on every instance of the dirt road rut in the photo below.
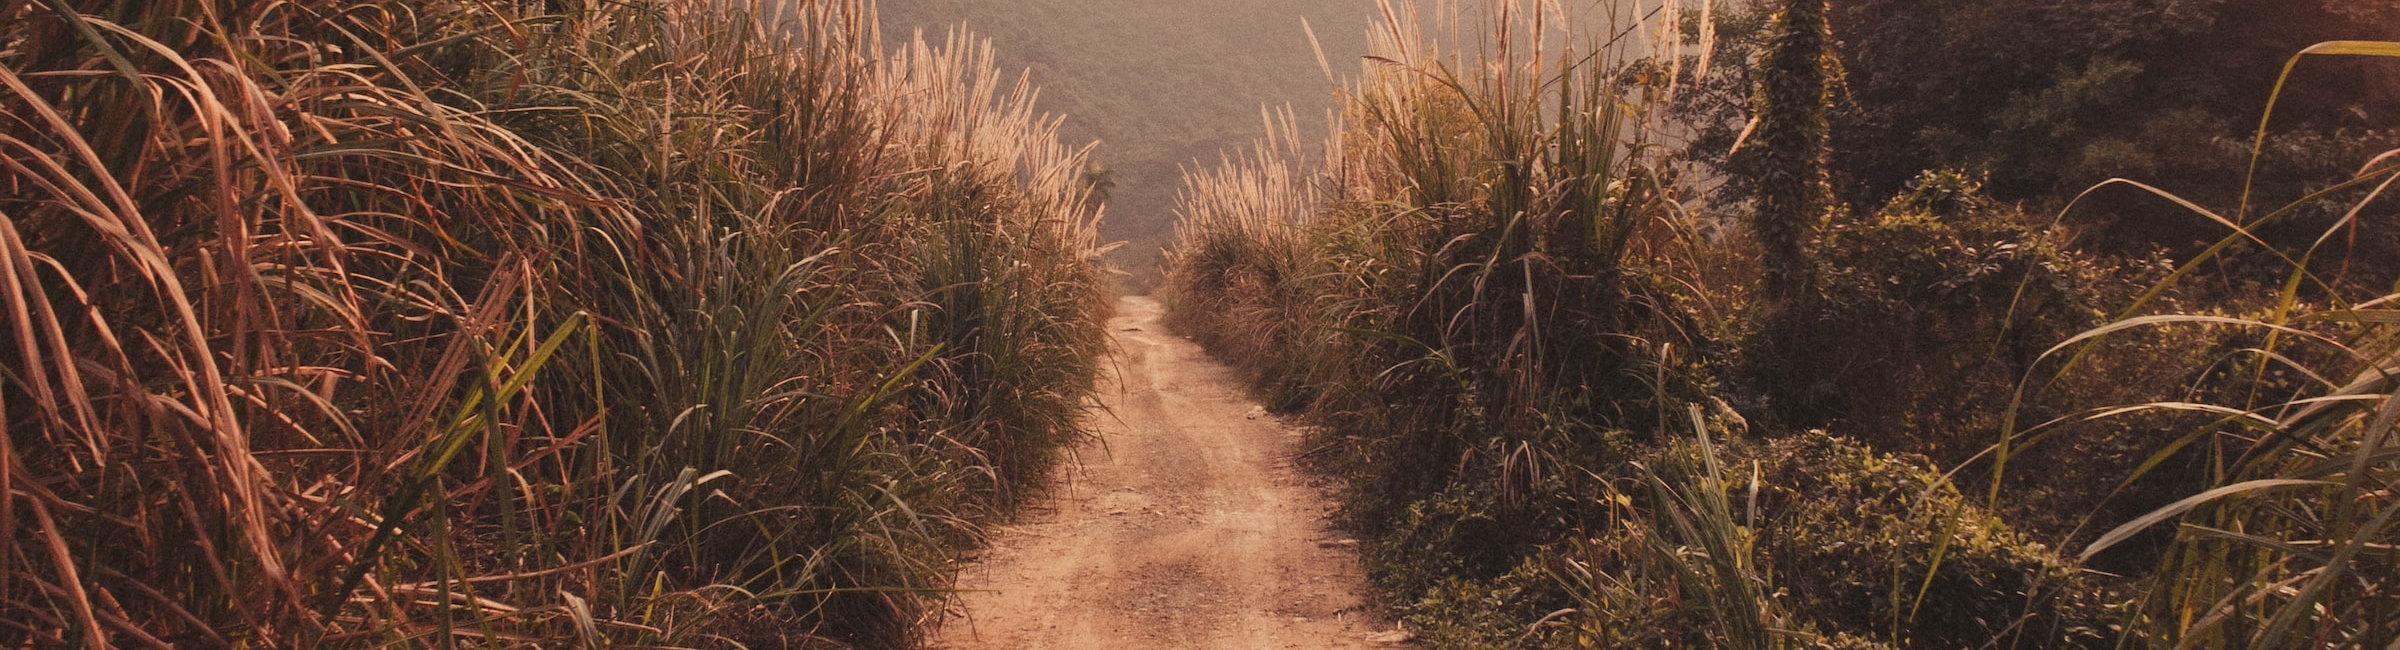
(1185, 527)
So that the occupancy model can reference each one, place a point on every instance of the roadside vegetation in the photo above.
(1593, 381)
(518, 323)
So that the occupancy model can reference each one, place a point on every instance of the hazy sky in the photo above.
(1160, 83)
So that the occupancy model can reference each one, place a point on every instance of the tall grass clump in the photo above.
(1237, 272)
(1475, 206)
(514, 323)
(2286, 540)
(1448, 292)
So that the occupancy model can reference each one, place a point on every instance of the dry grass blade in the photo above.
(399, 311)
(2273, 552)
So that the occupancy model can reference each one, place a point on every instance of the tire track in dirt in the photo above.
(1185, 526)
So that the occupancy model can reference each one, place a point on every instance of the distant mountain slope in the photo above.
(1161, 83)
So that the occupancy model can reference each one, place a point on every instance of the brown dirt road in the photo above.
(1185, 526)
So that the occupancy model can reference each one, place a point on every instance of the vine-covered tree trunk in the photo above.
(1788, 146)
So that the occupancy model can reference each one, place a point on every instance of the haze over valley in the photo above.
(1159, 83)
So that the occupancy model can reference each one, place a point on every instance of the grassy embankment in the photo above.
(1571, 416)
(517, 323)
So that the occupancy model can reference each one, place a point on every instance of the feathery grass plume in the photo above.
(509, 323)
(1008, 264)
(1240, 255)
(2289, 545)
(1477, 175)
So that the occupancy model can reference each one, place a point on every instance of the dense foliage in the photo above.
(2051, 96)
(1575, 409)
(1786, 149)
(2044, 98)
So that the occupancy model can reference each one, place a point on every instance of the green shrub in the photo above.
(1959, 294)
(1884, 547)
